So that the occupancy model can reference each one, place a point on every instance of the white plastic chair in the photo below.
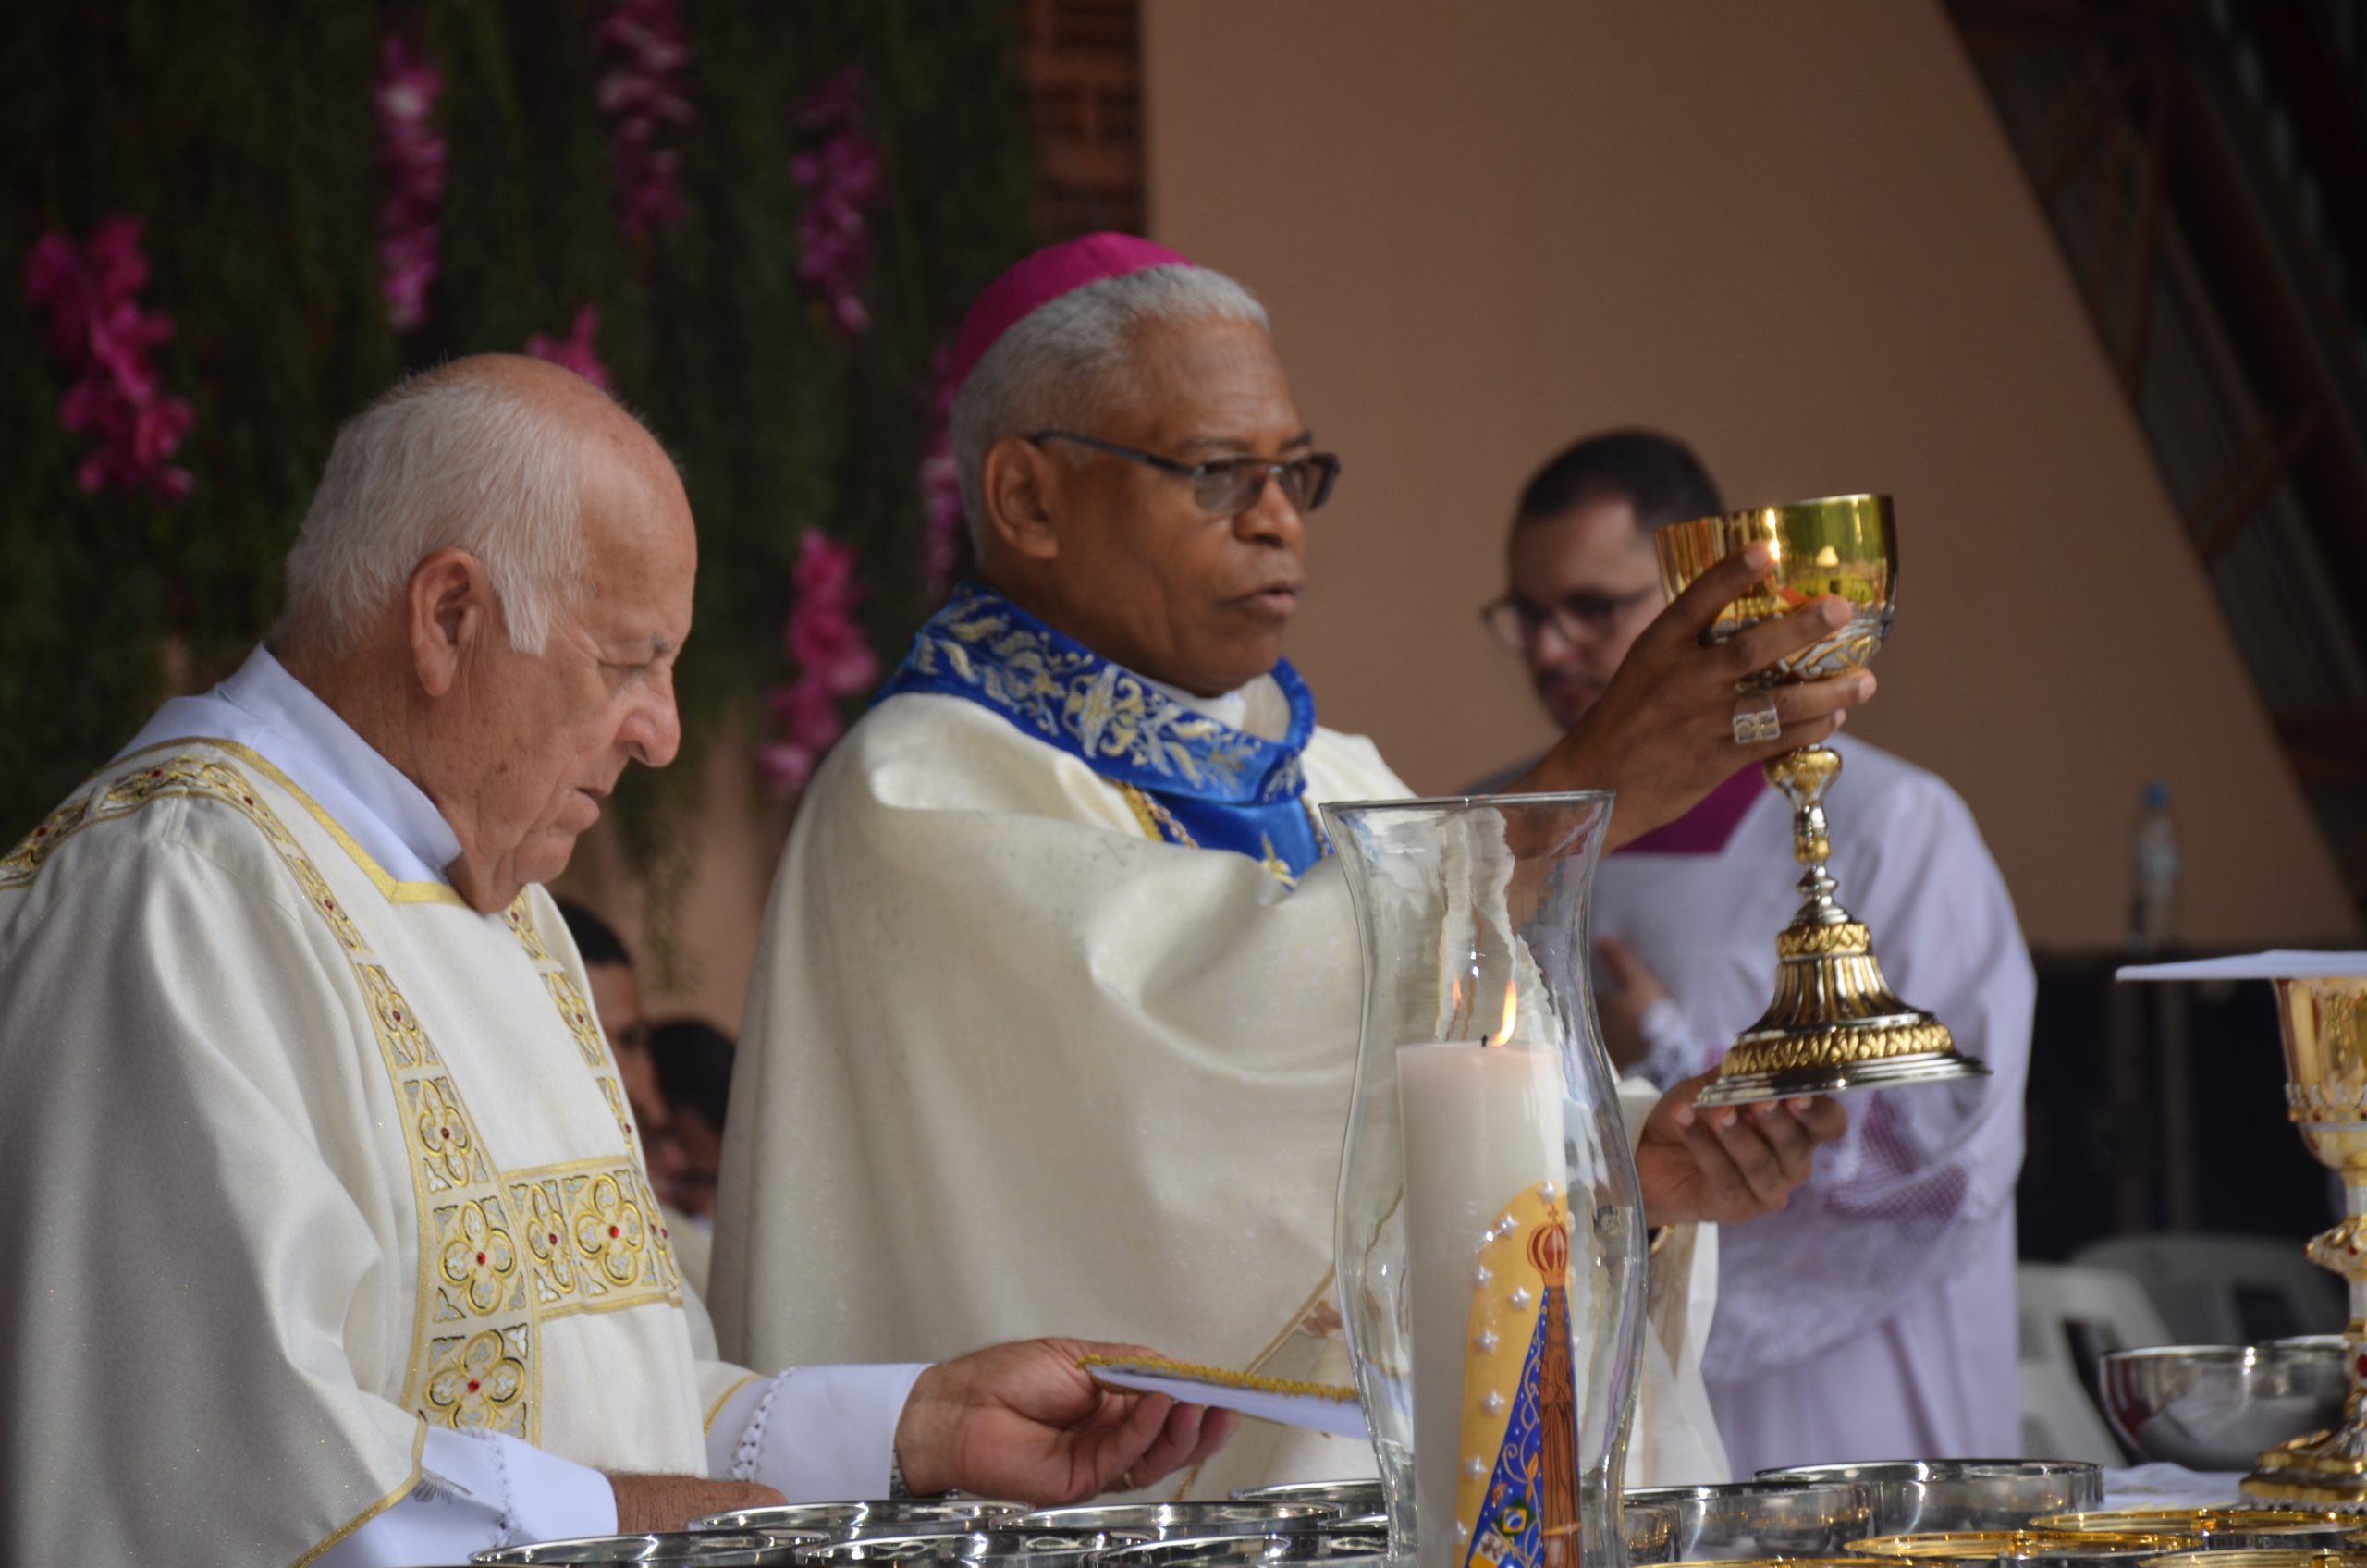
(2068, 1312)
(2221, 1289)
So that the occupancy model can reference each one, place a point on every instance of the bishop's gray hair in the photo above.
(1073, 356)
(441, 461)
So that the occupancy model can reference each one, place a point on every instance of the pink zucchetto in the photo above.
(1038, 280)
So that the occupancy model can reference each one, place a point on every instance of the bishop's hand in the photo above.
(1025, 1421)
(1663, 733)
(1733, 1164)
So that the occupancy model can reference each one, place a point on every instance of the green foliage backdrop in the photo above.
(243, 138)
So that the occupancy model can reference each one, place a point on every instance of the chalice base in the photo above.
(1834, 1025)
(2323, 1470)
(1840, 1077)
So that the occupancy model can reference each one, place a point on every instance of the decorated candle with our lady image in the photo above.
(1488, 1259)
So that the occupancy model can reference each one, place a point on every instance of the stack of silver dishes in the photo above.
(1927, 1496)
(1744, 1521)
(1361, 1504)
(1173, 1521)
(1950, 1510)
(973, 1533)
(847, 1521)
(1327, 1548)
(1304, 1528)
(716, 1548)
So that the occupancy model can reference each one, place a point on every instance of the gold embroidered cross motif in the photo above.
(478, 1382)
(480, 1258)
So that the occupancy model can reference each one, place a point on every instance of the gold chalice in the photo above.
(2324, 1023)
(1835, 1023)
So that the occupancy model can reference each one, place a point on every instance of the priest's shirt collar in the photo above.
(272, 714)
(1260, 708)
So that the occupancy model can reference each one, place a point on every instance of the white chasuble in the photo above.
(305, 1163)
(1018, 1062)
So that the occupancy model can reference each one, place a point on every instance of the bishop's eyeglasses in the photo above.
(1229, 486)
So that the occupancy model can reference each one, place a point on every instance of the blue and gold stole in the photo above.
(1190, 779)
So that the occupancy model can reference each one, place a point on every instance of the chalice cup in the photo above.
(1835, 1023)
(2324, 1023)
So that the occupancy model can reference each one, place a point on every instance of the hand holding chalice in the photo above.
(1835, 1023)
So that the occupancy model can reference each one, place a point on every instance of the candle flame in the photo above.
(1512, 1011)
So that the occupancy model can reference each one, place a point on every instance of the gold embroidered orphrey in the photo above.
(1159, 824)
(500, 1252)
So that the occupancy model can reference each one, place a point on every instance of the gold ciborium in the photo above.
(1835, 1023)
(2324, 1023)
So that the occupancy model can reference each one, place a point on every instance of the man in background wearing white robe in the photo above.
(1055, 1011)
(328, 1238)
(1873, 1317)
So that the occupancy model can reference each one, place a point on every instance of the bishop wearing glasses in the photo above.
(1055, 1013)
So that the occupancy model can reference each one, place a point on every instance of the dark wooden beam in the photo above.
(2226, 521)
(2327, 745)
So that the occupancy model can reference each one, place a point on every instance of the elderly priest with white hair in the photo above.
(1056, 1007)
(328, 1236)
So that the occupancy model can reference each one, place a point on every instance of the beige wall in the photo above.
(1794, 234)
(1791, 233)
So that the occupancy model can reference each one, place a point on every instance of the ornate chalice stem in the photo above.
(1803, 777)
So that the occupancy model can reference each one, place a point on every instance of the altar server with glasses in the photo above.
(1874, 1315)
(1055, 1011)
(329, 1234)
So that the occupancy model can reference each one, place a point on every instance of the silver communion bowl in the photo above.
(1912, 1496)
(2215, 1407)
(1743, 1520)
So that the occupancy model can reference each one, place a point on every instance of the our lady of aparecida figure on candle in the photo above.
(1518, 1504)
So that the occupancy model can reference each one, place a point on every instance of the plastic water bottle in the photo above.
(2154, 886)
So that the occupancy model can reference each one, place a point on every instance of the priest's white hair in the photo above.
(441, 461)
(1073, 356)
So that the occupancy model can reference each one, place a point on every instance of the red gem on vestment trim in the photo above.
(480, 1258)
(473, 1385)
(614, 1231)
(446, 1132)
(554, 1237)
(40, 832)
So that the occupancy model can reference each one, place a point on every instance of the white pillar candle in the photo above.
(1482, 1123)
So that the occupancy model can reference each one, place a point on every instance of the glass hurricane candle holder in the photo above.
(1490, 1240)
